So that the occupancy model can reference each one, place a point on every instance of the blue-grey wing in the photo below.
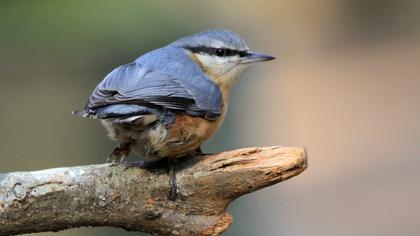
(134, 89)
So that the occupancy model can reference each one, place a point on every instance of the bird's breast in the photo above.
(182, 137)
(167, 140)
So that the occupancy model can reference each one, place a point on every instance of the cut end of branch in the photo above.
(234, 173)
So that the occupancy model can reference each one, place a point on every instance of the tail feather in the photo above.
(121, 111)
(83, 113)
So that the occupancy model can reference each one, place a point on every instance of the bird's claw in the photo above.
(118, 154)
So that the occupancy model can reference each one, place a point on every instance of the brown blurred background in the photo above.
(346, 85)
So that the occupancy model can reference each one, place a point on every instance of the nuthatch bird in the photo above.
(167, 102)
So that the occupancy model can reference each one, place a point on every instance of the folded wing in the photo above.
(133, 89)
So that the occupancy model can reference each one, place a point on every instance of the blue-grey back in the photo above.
(166, 77)
(174, 62)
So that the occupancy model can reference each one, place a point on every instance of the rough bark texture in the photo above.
(136, 199)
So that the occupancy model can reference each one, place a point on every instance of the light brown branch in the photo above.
(136, 199)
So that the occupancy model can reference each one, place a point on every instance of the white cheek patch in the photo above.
(207, 60)
(214, 61)
(213, 64)
(217, 65)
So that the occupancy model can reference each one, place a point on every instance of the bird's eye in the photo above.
(220, 52)
(243, 53)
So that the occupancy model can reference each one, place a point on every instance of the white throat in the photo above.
(223, 70)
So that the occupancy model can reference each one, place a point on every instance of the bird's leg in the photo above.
(173, 189)
(172, 179)
(199, 152)
(119, 153)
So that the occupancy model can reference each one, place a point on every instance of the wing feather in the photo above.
(136, 85)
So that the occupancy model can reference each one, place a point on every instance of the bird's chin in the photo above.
(229, 78)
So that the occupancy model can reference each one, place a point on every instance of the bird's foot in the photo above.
(134, 164)
(147, 164)
(199, 152)
(118, 154)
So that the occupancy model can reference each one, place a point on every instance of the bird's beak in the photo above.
(253, 57)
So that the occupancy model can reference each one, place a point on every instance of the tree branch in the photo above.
(136, 199)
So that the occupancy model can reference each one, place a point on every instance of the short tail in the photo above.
(83, 113)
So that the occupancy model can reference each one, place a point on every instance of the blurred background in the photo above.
(345, 85)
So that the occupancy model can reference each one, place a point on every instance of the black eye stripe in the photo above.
(221, 52)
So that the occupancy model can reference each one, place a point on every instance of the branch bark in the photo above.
(136, 199)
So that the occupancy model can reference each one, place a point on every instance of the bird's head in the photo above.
(222, 54)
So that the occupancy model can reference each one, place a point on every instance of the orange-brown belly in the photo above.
(179, 139)
(158, 141)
